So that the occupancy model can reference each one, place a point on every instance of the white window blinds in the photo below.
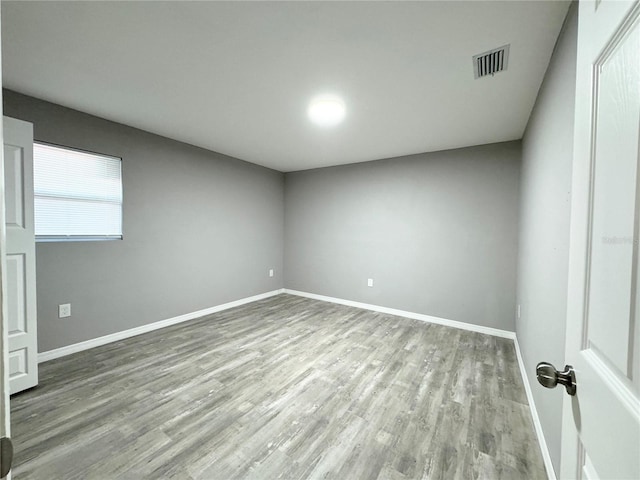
(78, 195)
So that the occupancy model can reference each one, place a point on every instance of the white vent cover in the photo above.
(491, 62)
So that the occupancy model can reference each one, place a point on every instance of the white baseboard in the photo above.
(544, 449)
(132, 332)
(402, 313)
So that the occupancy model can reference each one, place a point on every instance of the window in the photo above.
(78, 195)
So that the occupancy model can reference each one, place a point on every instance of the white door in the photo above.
(20, 259)
(601, 423)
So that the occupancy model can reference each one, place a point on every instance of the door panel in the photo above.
(20, 255)
(16, 298)
(601, 424)
(18, 364)
(615, 164)
(14, 211)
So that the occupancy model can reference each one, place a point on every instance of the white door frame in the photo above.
(5, 425)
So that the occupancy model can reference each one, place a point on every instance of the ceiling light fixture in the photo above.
(326, 110)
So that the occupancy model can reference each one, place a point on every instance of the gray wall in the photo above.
(437, 232)
(200, 229)
(545, 186)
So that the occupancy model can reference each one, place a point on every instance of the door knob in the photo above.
(549, 377)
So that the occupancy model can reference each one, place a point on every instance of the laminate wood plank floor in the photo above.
(286, 387)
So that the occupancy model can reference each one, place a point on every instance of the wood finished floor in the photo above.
(286, 387)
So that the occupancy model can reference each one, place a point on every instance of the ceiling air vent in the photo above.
(491, 62)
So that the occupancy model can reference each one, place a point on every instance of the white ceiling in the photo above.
(236, 77)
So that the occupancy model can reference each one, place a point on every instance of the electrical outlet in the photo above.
(370, 282)
(518, 311)
(271, 272)
(64, 310)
